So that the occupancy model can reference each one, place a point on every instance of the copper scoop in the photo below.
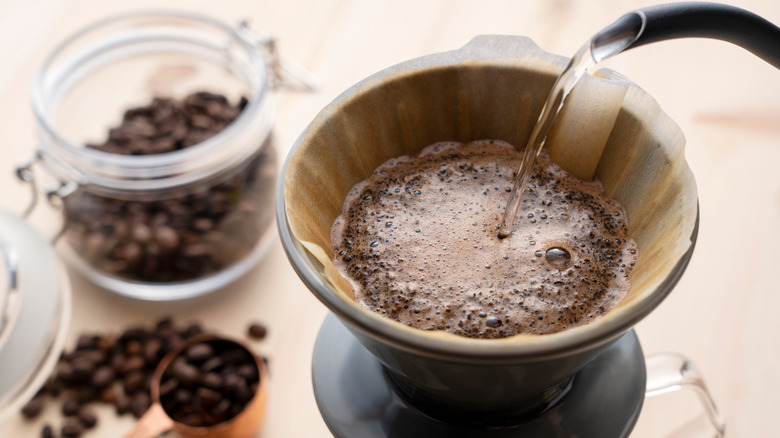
(246, 424)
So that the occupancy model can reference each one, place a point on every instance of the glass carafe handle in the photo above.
(670, 372)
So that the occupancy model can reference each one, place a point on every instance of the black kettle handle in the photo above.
(702, 20)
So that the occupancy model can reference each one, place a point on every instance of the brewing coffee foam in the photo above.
(418, 241)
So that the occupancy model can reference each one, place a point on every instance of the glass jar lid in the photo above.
(35, 304)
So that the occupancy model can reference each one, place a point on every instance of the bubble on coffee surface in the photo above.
(557, 257)
(441, 266)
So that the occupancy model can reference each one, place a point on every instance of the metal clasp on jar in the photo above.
(282, 71)
(26, 174)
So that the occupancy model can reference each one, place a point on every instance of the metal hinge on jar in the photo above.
(26, 174)
(282, 71)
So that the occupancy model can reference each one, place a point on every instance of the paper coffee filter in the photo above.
(494, 88)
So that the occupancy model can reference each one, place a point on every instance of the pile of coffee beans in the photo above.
(210, 382)
(112, 369)
(181, 234)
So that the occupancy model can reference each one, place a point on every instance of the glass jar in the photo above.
(167, 225)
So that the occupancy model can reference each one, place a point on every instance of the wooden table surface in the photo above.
(724, 312)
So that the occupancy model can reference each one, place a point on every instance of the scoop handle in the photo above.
(154, 423)
(701, 20)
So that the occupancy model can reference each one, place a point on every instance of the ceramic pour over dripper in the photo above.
(493, 88)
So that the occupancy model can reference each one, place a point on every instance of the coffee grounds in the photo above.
(419, 243)
(117, 370)
(209, 383)
(182, 234)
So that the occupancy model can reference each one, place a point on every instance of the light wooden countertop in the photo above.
(724, 312)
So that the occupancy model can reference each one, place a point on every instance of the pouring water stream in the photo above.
(637, 28)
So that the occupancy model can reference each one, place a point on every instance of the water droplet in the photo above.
(416, 310)
(417, 230)
(544, 216)
(532, 243)
(482, 314)
(493, 322)
(557, 257)
(367, 198)
(540, 317)
(389, 224)
(530, 215)
(632, 251)
(398, 190)
(538, 253)
(374, 244)
(417, 192)
(343, 252)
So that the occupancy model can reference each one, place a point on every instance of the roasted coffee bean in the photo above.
(70, 407)
(33, 408)
(183, 396)
(212, 380)
(199, 353)
(248, 372)
(47, 432)
(134, 348)
(122, 405)
(85, 342)
(103, 376)
(72, 429)
(108, 395)
(168, 387)
(139, 404)
(187, 374)
(133, 382)
(133, 363)
(87, 418)
(221, 408)
(257, 331)
(152, 349)
(86, 394)
(211, 364)
(208, 397)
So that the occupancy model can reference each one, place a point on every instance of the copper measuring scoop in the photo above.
(246, 424)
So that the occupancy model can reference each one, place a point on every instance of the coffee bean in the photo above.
(211, 364)
(122, 405)
(134, 363)
(86, 394)
(72, 429)
(248, 372)
(168, 387)
(187, 374)
(33, 408)
(85, 342)
(212, 380)
(183, 396)
(47, 432)
(103, 376)
(139, 404)
(134, 348)
(152, 349)
(208, 397)
(167, 238)
(257, 331)
(199, 353)
(87, 418)
(70, 407)
(133, 382)
(108, 395)
(221, 408)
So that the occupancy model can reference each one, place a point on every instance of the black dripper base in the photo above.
(356, 399)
